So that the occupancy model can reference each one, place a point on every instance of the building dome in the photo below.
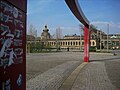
(45, 34)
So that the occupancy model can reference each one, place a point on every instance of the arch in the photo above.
(76, 10)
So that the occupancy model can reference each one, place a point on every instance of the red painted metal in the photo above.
(75, 8)
(21, 4)
(13, 45)
(86, 43)
(77, 11)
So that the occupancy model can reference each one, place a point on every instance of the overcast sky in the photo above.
(55, 13)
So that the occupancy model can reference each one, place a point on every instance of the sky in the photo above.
(56, 14)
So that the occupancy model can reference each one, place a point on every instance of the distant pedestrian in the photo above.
(114, 51)
(68, 49)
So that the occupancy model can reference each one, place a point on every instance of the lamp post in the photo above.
(100, 39)
(107, 37)
(80, 37)
(35, 40)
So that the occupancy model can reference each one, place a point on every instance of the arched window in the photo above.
(50, 43)
(73, 43)
(92, 36)
(76, 43)
(63, 43)
(82, 43)
(66, 43)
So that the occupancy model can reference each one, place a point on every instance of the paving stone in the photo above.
(54, 68)
(53, 78)
(93, 77)
(113, 72)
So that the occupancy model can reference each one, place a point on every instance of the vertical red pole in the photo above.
(86, 43)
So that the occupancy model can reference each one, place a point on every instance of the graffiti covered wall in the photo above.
(12, 47)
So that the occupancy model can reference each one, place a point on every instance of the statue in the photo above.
(45, 34)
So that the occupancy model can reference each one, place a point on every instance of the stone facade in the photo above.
(45, 34)
(98, 39)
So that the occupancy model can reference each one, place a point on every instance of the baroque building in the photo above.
(45, 34)
(98, 40)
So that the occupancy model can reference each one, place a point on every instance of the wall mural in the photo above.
(11, 41)
(11, 35)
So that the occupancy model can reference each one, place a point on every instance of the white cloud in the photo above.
(112, 24)
(113, 27)
(99, 22)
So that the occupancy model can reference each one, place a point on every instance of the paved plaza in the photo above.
(38, 63)
(48, 71)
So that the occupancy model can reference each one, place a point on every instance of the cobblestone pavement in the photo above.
(93, 77)
(53, 78)
(113, 72)
(48, 71)
(102, 73)
(38, 63)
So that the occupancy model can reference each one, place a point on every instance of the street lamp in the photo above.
(107, 37)
(81, 31)
(100, 39)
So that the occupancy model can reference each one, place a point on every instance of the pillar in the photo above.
(86, 43)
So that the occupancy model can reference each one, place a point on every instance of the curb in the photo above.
(68, 83)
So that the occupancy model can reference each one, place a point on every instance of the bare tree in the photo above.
(58, 33)
(58, 36)
(32, 31)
